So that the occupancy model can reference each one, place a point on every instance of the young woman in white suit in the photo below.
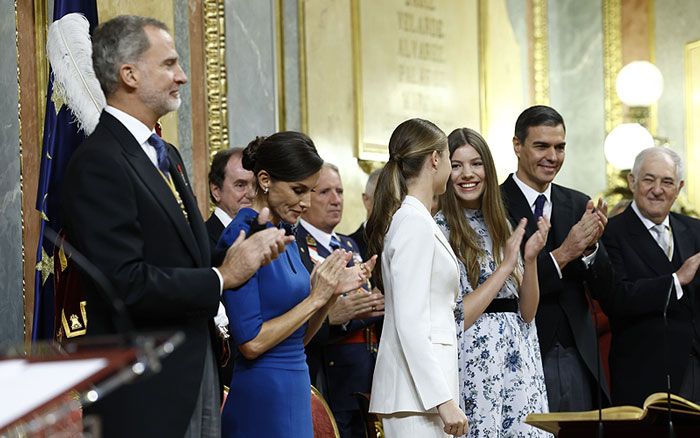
(415, 385)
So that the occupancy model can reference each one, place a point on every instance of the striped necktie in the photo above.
(335, 243)
(661, 232)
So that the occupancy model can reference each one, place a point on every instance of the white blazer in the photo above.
(416, 366)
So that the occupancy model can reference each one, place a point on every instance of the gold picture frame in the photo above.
(412, 59)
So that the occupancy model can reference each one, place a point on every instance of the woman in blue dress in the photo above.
(500, 368)
(277, 311)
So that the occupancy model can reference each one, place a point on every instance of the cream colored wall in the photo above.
(504, 89)
(329, 98)
(330, 101)
(161, 10)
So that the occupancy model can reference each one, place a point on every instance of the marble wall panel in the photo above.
(576, 90)
(676, 25)
(291, 64)
(251, 70)
(184, 114)
(11, 298)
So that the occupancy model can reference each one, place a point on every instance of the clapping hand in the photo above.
(536, 242)
(358, 304)
(512, 249)
(245, 256)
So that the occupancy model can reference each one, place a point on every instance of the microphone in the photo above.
(599, 391)
(671, 431)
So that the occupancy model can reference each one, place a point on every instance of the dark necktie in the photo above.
(161, 152)
(288, 228)
(335, 243)
(539, 206)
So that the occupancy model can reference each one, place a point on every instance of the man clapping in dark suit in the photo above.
(572, 261)
(128, 206)
(655, 255)
(230, 189)
(342, 354)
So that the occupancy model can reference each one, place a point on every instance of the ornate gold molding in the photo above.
(21, 181)
(612, 61)
(279, 57)
(41, 25)
(482, 11)
(540, 52)
(303, 98)
(215, 73)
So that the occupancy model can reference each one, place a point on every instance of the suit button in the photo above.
(331, 364)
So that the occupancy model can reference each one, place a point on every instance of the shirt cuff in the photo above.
(679, 288)
(556, 265)
(590, 258)
(221, 280)
(221, 320)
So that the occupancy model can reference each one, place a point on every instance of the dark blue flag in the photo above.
(61, 137)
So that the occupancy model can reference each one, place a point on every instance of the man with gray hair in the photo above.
(128, 206)
(655, 254)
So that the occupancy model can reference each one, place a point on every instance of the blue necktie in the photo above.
(161, 152)
(539, 206)
(335, 243)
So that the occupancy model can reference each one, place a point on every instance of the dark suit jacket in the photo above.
(118, 211)
(214, 229)
(643, 276)
(360, 237)
(343, 368)
(563, 304)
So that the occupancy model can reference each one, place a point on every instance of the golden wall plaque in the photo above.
(692, 114)
(413, 58)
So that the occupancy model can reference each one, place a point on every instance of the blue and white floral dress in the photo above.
(500, 367)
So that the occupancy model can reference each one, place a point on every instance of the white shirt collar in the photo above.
(532, 194)
(649, 224)
(223, 216)
(321, 236)
(415, 202)
(137, 129)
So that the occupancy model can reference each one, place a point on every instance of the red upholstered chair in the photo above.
(373, 424)
(323, 420)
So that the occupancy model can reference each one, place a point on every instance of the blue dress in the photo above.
(269, 396)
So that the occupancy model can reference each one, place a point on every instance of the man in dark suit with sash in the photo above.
(655, 254)
(128, 206)
(572, 261)
(342, 354)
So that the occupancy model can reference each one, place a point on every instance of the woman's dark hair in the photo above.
(286, 156)
(411, 143)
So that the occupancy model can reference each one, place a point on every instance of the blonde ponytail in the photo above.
(410, 145)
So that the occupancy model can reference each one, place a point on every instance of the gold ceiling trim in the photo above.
(215, 72)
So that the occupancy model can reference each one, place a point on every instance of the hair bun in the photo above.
(250, 153)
